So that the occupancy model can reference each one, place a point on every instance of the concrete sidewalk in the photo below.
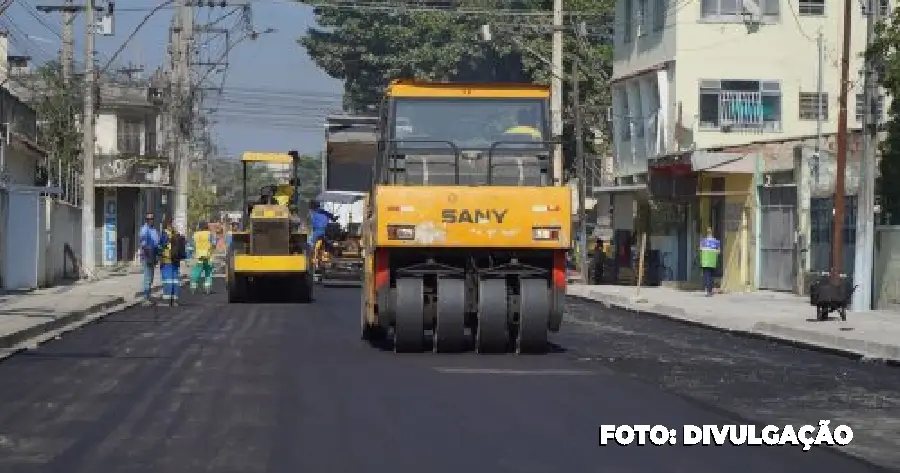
(29, 318)
(784, 317)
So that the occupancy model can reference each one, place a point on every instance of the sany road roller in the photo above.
(465, 233)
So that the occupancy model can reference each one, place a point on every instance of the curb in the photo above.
(31, 337)
(10, 340)
(815, 341)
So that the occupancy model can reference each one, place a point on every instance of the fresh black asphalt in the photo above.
(213, 387)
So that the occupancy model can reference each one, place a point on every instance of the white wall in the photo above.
(652, 41)
(106, 133)
(691, 48)
(62, 225)
(4, 51)
(785, 51)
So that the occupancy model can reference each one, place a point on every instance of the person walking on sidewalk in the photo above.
(203, 244)
(149, 239)
(709, 259)
(168, 262)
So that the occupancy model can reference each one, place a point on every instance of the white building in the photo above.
(39, 233)
(131, 176)
(714, 110)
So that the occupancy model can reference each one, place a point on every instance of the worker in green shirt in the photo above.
(709, 259)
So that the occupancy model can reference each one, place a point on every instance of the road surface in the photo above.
(213, 387)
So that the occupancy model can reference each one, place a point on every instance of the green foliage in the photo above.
(368, 48)
(201, 200)
(58, 106)
(886, 53)
(309, 177)
(228, 176)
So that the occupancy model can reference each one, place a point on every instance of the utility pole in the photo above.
(184, 95)
(67, 52)
(87, 166)
(582, 170)
(820, 90)
(837, 237)
(556, 90)
(865, 215)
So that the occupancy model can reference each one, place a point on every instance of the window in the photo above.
(740, 105)
(628, 21)
(861, 107)
(733, 10)
(625, 119)
(811, 7)
(884, 11)
(474, 123)
(809, 106)
(128, 136)
(659, 14)
(642, 13)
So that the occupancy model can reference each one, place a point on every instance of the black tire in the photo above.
(492, 331)
(409, 322)
(303, 289)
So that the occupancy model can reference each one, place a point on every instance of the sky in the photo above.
(274, 96)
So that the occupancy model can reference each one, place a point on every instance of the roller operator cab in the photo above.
(270, 256)
(465, 234)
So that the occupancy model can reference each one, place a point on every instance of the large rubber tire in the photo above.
(450, 320)
(409, 323)
(492, 333)
(303, 289)
(534, 314)
(238, 290)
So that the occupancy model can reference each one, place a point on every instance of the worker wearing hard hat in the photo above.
(524, 130)
(203, 243)
(284, 192)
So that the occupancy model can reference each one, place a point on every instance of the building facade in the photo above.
(131, 176)
(715, 112)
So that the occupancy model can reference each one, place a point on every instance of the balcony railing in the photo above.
(744, 111)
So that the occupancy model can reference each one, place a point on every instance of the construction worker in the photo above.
(169, 259)
(319, 219)
(284, 193)
(524, 129)
(149, 240)
(203, 242)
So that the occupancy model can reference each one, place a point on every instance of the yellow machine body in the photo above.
(269, 252)
(474, 217)
(464, 229)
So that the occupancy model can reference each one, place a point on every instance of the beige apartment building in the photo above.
(715, 114)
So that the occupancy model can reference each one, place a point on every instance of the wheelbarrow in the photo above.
(831, 296)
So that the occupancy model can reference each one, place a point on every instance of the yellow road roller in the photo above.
(270, 256)
(465, 233)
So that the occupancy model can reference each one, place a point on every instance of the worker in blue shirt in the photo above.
(149, 240)
(319, 219)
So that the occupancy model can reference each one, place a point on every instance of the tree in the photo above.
(58, 105)
(201, 199)
(885, 51)
(228, 175)
(368, 48)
